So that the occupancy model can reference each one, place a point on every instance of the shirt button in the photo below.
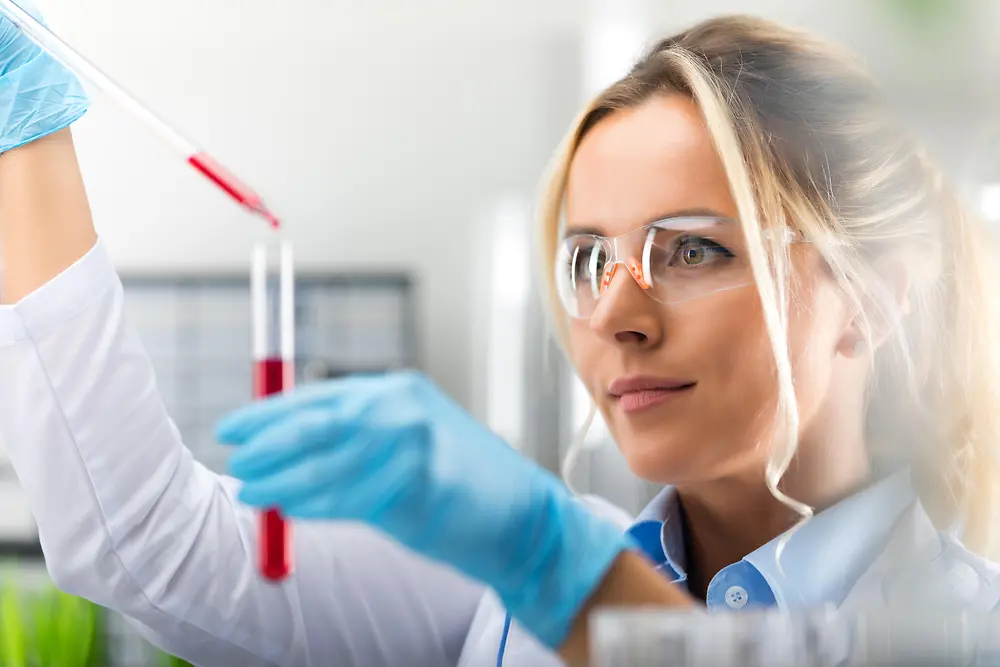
(736, 597)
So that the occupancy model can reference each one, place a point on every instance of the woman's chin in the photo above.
(660, 461)
(668, 459)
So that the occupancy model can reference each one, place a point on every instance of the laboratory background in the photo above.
(401, 142)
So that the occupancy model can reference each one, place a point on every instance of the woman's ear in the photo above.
(885, 305)
(896, 280)
(890, 297)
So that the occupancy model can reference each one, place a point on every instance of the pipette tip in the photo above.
(215, 172)
(271, 218)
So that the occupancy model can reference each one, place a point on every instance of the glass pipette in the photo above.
(204, 163)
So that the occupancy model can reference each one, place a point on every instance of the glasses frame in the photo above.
(640, 269)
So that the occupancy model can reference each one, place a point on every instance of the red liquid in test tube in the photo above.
(269, 377)
(274, 373)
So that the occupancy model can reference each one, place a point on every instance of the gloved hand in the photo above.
(393, 451)
(38, 95)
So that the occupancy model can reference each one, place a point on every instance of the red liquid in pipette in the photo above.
(215, 172)
(275, 544)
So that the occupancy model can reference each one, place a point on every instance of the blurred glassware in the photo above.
(772, 638)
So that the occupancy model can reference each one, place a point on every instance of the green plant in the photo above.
(172, 661)
(63, 630)
(40, 626)
(13, 639)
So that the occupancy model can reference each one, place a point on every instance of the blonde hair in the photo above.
(808, 142)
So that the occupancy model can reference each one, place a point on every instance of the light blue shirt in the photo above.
(819, 564)
(128, 519)
(875, 550)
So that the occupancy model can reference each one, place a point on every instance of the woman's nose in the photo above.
(624, 314)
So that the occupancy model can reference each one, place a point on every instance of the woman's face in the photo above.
(633, 168)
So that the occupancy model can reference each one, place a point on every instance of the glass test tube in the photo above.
(273, 373)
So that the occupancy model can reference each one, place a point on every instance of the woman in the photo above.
(764, 286)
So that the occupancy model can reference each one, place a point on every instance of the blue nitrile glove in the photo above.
(38, 95)
(393, 451)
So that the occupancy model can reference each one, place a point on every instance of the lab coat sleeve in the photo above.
(127, 518)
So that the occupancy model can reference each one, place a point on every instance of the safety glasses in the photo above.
(673, 260)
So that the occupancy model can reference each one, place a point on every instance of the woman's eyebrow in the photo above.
(598, 229)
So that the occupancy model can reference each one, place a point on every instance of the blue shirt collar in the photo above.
(820, 562)
(659, 529)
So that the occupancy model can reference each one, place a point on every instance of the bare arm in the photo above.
(45, 222)
(631, 582)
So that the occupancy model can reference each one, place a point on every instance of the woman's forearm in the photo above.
(45, 221)
(631, 582)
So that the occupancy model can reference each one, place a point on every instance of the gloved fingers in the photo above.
(344, 397)
(310, 508)
(389, 463)
(285, 441)
(245, 423)
(361, 478)
(30, 9)
(371, 493)
(300, 479)
(10, 33)
(333, 473)
(368, 498)
(15, 47)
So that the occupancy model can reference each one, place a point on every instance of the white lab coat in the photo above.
(128, 519)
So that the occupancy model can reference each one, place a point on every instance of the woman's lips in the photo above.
(639, 392)
(636, 401)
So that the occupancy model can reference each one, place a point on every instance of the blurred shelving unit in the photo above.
(196, 330)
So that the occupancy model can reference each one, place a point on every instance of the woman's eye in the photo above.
(692, 254)
(589, 262)
(696, 250)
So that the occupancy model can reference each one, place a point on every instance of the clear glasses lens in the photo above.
(674, 261)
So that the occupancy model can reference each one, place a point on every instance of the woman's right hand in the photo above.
(38, 94)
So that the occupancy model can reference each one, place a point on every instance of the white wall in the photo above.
(378, 135)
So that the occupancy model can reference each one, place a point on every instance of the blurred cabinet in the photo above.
(196, 330)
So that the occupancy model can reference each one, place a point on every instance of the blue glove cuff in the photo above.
(38, 98)
(580, 550)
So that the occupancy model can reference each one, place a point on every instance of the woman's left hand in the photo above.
(393, 451)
